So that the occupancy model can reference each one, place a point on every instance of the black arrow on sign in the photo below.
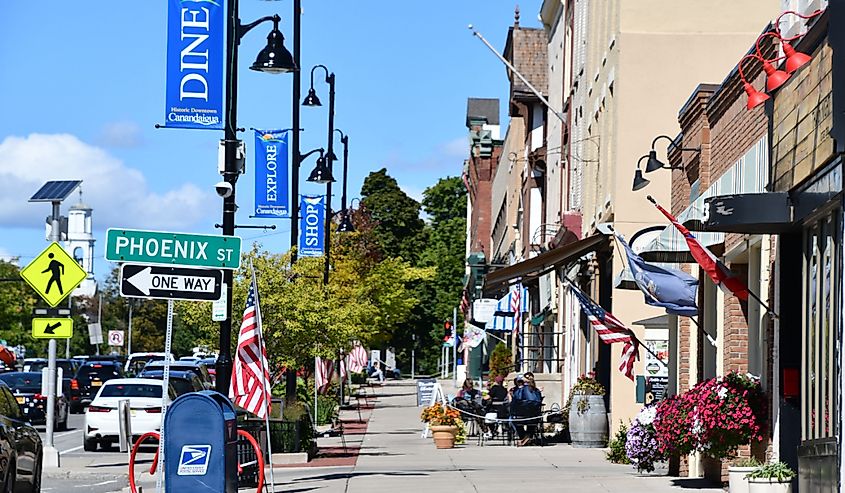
(51, 328)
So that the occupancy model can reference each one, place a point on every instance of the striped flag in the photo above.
(717, 271)
(610, 330)
(323, 371)
(357, 359)
(250, 387)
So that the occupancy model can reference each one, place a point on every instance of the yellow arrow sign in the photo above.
(53, 274)
(52, 328)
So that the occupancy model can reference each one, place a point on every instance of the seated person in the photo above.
(496, 401)
(377, 373)
(468, 391)
(527, 403)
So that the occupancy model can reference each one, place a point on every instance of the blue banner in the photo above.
(312, 213)
(271, 174)
(195, 59)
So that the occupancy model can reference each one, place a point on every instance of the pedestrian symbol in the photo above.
(53, 274)
(52, 328)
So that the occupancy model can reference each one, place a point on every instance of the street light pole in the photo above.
(290, 373)
(274, 58)
(345, 221)
(330, 161)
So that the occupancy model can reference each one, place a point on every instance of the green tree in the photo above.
(17, 300)
(399, 228)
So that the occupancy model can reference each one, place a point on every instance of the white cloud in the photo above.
(118, 194)
(122, 134)
(5, 256)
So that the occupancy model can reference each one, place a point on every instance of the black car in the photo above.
(91, 376)
(26, 388)
(69, 384)
(183, 382)
(20, 448)
(199, 369)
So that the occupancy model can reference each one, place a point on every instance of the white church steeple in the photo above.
(80, 244)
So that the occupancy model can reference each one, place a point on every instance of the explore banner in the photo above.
(271, 174)
(194, 84)
(312, 222)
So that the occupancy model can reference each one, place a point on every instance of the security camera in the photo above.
(223, 189)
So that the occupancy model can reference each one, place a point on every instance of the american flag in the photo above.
(250, 387)
(357, 359)
(610, 330)
(323, 371)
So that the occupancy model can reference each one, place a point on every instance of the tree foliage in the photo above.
(399, 228)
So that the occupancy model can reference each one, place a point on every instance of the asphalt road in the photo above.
(104, 471)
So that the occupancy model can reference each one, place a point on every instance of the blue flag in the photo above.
(312, 221)
(195, 64)
(271, 174)
(674, 290)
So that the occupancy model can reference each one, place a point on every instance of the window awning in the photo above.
(534, 267)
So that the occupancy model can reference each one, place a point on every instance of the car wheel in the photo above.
(36, 478)
(89, 445)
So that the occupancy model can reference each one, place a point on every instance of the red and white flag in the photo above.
(610, 330)
(357, 358)
(717, 271)
(250, 387)
(323, 371)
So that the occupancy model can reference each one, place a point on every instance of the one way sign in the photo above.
(171, 283)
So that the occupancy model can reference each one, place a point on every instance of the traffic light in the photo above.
(447, 329)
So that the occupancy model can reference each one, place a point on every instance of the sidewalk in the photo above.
(394, 458)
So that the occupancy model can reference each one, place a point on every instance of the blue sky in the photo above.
(82, 87)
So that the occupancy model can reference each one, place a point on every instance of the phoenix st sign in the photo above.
(157, 247)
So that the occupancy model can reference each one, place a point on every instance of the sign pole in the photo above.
(51, 455)
(100, 318)
(455, 345)
(168, 342)
(129, 342)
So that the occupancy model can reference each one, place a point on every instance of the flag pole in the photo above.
(264, 372)
(708, 336)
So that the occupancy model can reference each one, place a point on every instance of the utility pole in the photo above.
(100, 318)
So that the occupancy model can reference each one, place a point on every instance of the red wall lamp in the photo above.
(774, 77)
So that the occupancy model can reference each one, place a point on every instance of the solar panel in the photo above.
(55, 191)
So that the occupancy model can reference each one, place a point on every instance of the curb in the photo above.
(81, 475)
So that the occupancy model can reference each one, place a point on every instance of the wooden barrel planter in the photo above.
(444, 436)
(588, 421)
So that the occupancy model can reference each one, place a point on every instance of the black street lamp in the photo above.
(325, 176)
(274, 58)
(345, 221)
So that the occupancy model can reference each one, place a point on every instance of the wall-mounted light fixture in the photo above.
(655, 164)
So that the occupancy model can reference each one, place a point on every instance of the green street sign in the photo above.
(159, 247)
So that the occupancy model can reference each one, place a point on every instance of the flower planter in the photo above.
(736, 479)
(588, 421)
(444, 436)
(768, 485)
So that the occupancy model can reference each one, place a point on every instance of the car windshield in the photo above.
(22, 382)
(131, 390)
(98, 372)
(181, 385)
(66, 366)
(137, 363)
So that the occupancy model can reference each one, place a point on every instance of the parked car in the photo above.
(136, 362)
(211, 365)
(198, 368)
(92, 375)
(182, 382)
(26, 387)
(101, 418)
(69, 384)
(28, 362)
(20, 448)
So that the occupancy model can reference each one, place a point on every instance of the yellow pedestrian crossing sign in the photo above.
(53, 274)
(52, 328)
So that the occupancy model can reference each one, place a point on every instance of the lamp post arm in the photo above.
(672, 144)
(242, 29)
(315, 67)
(345, 141)
(639, 161)
(312, 151)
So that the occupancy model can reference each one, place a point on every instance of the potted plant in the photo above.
(641, 445)
(774, 477)
(444, 423)
(587, 413)
(737, 481)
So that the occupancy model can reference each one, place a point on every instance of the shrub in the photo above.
(501, 361)
(439, 415)
(616, 454)
(773, 470)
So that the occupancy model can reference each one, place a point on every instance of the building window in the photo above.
(78, 256)
(822, 242)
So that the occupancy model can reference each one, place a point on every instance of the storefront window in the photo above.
(821, 262)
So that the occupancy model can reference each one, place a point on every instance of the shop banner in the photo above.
(195, 59)
(312, 214)
(271, 174)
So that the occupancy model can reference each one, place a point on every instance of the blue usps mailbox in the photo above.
(201, 444)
